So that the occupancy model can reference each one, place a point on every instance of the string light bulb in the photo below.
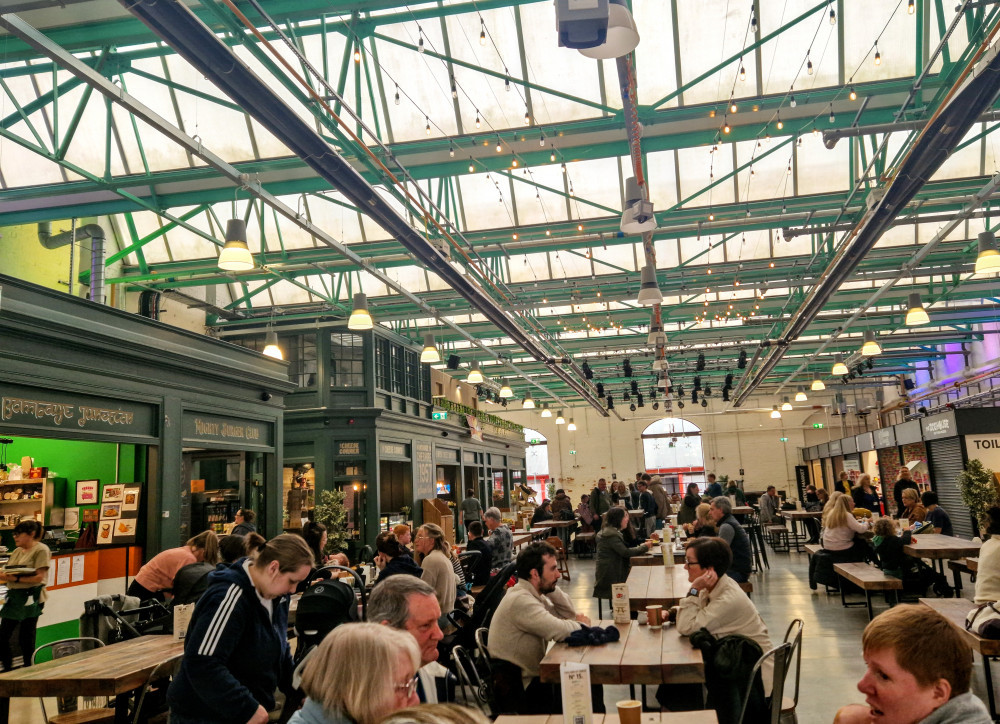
(732, 107)
(726, 129)
(499, 146)
(527, 117)
(472, 167)
(852, 95)
(832, 117)
(833, 15)
(780, 124)
(478, 121)
(791, 101)
(910, 7)
(427, 128)
(357, 54)
(451, 150)
(506, 84)
(809, 64)
(743, 73)
(878, 56)
(397, 95)
(482, 32)
(420, 43)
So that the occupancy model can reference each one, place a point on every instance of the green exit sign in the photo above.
(439, 415)
(818, 426)
(572, 452)
(783, 439)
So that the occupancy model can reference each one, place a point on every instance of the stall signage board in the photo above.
(884, 437)
(423, 473)
(939, 426)
(350, 447)
(835, 448)
(908, 432)
(985, 448)
(393, 450)
(85, 415)
(207, 429)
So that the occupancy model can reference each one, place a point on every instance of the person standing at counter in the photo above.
(158, 574)
(25, 592)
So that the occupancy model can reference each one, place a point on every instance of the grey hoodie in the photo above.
(964, 709)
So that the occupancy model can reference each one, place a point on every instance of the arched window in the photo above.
(672, 448)
(536, 461)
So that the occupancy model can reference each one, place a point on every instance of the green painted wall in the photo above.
(55, 632)
(22, 256)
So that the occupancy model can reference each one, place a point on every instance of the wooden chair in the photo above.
(82, 709)
(561, 557)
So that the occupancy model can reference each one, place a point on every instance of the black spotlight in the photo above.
(503, 401)
(680, 390)
(638, 401)
(846, 378)
(704, 402)
(694, 396)
(656, 405)
(479, 390)
(909, 384)
(725, 394)
(625, 396)
(600, 389)
(742, 361)
(587, 372)
(697, 383)
(611, 402)
(454, 361)
(871, 365)
(627, 368)
(680, 404)
(700, 365)
(632, 407)
(635, 387)
(922, 410)
(729, 380)
(708, 390)
(652, 393)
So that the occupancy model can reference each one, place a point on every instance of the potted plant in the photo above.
(330, 511)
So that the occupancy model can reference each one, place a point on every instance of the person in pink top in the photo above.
(158, 574)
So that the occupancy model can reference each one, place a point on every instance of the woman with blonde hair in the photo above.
(703, 524)
(381, 678)
(840, 528)
(434, 556)
(158, 574)
(436, 714)
(914, 511)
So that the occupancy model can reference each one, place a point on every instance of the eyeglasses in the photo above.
(409, 687)
(688, 564)
(422, 537)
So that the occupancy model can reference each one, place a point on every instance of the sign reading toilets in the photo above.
(985, 448)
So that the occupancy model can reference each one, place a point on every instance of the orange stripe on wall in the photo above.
(111, 562)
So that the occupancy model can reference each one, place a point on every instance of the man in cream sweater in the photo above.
(533, 613)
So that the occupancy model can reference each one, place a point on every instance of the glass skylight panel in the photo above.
(822, 169)
(797, 246)
(528, 268)
(730, 34)
(661, 174)
(547, 183)
(783, 59)
(963, 162)
(483, 207)
(696, 164)
(895, 32)
(896, 236)
(766, 174)
(595, 181)
(566, 264)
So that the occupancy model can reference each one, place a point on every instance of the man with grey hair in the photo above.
(732, 532)
(500, 540)
(408, 603)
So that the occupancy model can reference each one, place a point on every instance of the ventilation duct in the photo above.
(89, 231)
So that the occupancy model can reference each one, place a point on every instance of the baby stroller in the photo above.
(324, 606)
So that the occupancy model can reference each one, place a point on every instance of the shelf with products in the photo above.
(24, 481)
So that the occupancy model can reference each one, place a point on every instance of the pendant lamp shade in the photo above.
(475, 374)
(800, 395)
(235, 255)
(988, 259)
(649, 292)
(785, 404)
(839, 368)
(361, 318)
(915, 312)
(529, 403)
(429, 354)
(572, 425)
(871, 347)
(775, 414)
(622, 36)
(546, 412)
(271, 348)
(505, 391)
(560, 420)
(817, 384)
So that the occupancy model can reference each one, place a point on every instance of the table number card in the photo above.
(182, 619)
(575, 679)
(620, 602)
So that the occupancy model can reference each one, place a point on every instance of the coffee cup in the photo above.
(642, 618)
(629, 711)
(653, 612)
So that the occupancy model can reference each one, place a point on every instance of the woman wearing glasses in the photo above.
(380, 680)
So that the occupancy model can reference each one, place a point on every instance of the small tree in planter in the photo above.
(330, 511)
(979, 491)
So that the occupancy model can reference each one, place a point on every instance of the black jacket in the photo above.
(235, 656)
(481, 573)
(647, 504)
(401, 564)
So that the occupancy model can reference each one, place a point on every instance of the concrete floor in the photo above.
(831, 643)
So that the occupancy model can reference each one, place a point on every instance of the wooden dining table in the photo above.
(706, 716)
(643, 655)
(800, 516)
(940, 548)
(113, 671)
(656, 585)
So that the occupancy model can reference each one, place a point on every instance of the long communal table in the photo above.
(681, 717)
(642, 656)
(940, 548)
(113, 671)
(656, 585)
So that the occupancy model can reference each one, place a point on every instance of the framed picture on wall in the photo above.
(113, 493)
(111, 510)
(86, 492)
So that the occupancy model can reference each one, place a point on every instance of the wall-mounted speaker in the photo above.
(453, 361)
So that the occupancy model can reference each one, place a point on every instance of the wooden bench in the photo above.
(960, 566)
(955, 610)
(812, 548)
(867, 578)
(779, 538)
(589, 543)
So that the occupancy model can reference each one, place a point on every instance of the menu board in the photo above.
(119, 514)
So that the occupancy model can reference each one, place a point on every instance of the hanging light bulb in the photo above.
(852, 95)
(499, 147)
(552, 157)
(791, 101)
(726, 128)
(546, 412)
(785, 404)
(915, 312)
(513, 161)
(478, 121)
(910, 7)
(527, 117)
(833, 15)
(800, 395)
(743, 73)
(397, 95)
(988, 258)
(420, 43)
(572, 425)
(235, 255)
(475, 375)
(809, 64)
(878, 56)
(427, 128)
(839, 368)
(271, 348)
(482, 32)
(472, 167)
(817, 384)
(732, 107)
(506, 84)
(775, 415)
(361, 318)
(780, 124)
(430, 355)
(564, 167)
(528, 403)
(357, 54)
(560, 420)
(871, 347)
(451, 150)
